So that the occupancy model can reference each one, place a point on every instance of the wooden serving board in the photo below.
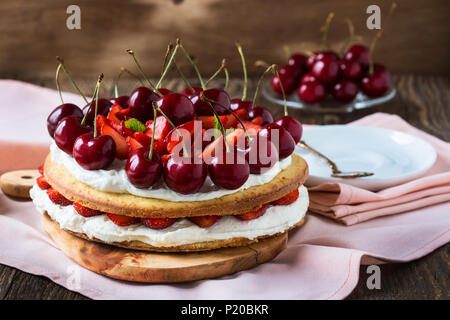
(142, 266)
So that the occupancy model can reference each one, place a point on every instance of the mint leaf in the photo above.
(135, 125)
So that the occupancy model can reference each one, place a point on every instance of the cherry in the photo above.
(103, 108)
(288, 76)
(360, 54)
(261, 154)
(121, 101)
(67, 131)
(350, 69)
(326, 70)
(183, 175)
(309, 77)
(229, 170)
(298, 61)
(319, 55)
(177, 107)
(262, 112)
(202, 108)
(141, 171)
(164, 91)
(378, 83)
(237, 104)
(312, 92)
(140, 103)
(285, 143)
(94, 153)
(293, 126)
(60, 112)
(188, 92)
(345, 90)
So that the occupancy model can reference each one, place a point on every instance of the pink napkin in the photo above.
(321, 261)
(350, 205)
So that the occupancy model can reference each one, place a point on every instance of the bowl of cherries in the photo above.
(326, 81)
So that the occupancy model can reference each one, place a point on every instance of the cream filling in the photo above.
(115, 180)
(276, 219)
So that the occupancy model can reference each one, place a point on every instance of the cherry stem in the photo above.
(166, 56)
(61, 62)
(83, 121)
(222, 67)
(216, 116)
(150, 153)
(244, 70)
(275, 72)
(270, 68)
(58, 69)
(132, 74)
(186, 81)
(287, 51)
(325, 29)
(155, 106)
(194, 65)
(158, 85)
(378, 36)
(227, 78)
(202, 97)
(351, 38)
(131, 52)
(97, 89)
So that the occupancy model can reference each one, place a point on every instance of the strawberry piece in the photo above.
(142, 138)
(122, 220)
(123, 114)
(132, 144)
(252, 128)
(42, 183)
(205, 221)
(165, 158)
(41, 169)
(232, 138)
(287, 199)
(112, 114)
(58, 198)
(85, 211)
(158, 223)
(186, 130)
(121, 144)
(258, 121)
(253, 214)
(160, 147)
(162, 128)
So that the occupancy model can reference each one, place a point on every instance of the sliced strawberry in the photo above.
(42, 183)
(173, 138)
(58, 198)
(112, 114)
(85, 211)
(132, 144)
(142, 138)
(160, 147)
(122, 220)
(124, 131)
(205, 221)
(232, 138)
(121, 143)
(287, 199)
(41, 169)
(253, 214)
(258, 121)
(122, 114)
(251, 127)
(158, 223)
(101, 121)
(165, 158)
(162, 128)
(242, 114)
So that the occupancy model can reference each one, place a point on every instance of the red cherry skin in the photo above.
(188, 92)
(164, 91)
(67, 131)
(312, 92)
(360, 54)
(289, 78)
(293, 126)
(318, 55)
(345, 90)
(298, 61)
(94, 153)
(350, 69)
(121, 101)
(177, 107)
(237, 104)
(140, 103)
(183, 175)
(229, 170)
(309, 77)
(286, 143)
(262, 112)
(377, 84)
(64, 110)
(326, 70)
(261, 154)
(103, 108)
(204, 109)
(142, 172)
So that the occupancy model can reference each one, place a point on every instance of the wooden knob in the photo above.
(18, 183)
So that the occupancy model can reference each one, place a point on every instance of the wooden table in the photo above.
(422, 100)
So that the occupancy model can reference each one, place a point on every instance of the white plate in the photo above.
(395, 157)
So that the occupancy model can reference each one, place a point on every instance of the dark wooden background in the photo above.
(415, 47)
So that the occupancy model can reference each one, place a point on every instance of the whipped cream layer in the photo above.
(115, 180)
(276, 219)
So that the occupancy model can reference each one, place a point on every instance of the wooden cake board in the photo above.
(154, 267)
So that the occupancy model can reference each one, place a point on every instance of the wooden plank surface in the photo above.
(422, 100)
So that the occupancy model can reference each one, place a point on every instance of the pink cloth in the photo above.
(321, 261)
(350, 205)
